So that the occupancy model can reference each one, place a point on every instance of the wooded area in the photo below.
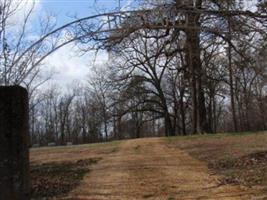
(176, 67)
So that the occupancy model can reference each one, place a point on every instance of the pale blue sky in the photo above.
(66, 8)
(68, 66)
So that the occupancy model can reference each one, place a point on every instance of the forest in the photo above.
(175, 67)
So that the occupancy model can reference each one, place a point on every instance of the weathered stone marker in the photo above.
(14, 152)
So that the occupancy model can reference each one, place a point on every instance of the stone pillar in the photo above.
(14, 151)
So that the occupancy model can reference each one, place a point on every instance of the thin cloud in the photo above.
(69, 66)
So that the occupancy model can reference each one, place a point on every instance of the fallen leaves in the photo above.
(57, 179)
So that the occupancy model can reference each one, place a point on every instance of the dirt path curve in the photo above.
(149, 169)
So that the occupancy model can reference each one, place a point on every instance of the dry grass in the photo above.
(149, 169)
(71, 153)
(56, 171)
(155, 168)
(239, 158)
(58, 179)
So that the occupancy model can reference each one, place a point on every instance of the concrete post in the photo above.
(14, 152)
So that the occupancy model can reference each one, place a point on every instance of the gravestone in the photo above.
(14, 151)
(69, 144)
(35, 145)
(51, 144)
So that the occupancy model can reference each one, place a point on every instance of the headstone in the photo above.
(69, 143)
(14, 140)
(51, 144)
(35, 145)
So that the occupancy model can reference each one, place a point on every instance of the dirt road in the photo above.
(149, 169)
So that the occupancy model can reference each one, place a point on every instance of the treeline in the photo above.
(83, 115)
(207, 75)
(117, 105)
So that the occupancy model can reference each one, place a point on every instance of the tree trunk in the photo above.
(231, 77)
(214, 125)
(196, 72)
(182, 112)
(169, 130)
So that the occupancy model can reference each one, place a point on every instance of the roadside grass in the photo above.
(75, 147)
(72, 153)
(52, 180)
(55, 171)
(239, 158)
(137, 148)
(217, 135)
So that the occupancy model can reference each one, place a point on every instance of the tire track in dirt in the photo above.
(149, 169)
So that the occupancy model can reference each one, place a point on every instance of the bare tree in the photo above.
(101, 88)
(20, 65)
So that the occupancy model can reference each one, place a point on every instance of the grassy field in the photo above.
(240, 158)
(55, 171)
(237, 159)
